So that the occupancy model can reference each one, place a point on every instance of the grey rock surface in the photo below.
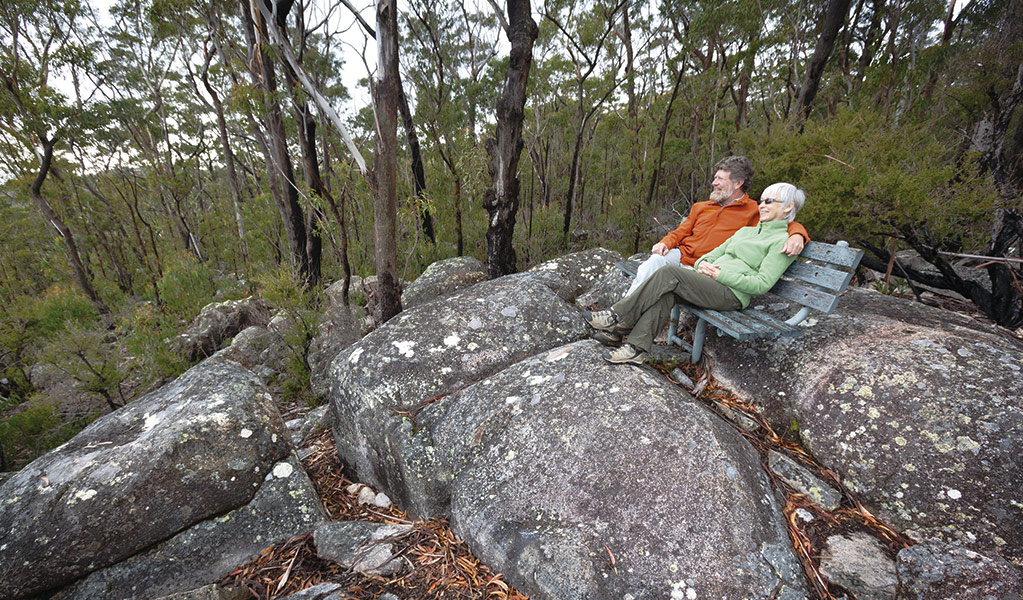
(580, 270)
(216, 323)
(360, 545)
(258, 349)
(323, 591)
(609, 288)
(210, 592)
(443, 278)
(934, 570)
(286, 506)
(857, 562)
(192, 449)
(916, 408)
(340, 328)
(577, 479)
(387, 387)
(803, 481)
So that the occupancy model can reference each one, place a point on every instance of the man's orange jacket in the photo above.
(709, 225)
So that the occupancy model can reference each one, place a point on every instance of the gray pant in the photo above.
(647, 309)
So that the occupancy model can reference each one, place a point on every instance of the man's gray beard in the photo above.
(719, 196)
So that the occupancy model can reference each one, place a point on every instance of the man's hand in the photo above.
(793, 245)
(661, 249)
(705, 268)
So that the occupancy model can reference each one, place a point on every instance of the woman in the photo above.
(747, 264)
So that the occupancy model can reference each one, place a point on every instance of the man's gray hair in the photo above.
(789, 195)
(738, 167)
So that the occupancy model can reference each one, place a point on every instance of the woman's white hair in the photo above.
(789, 195)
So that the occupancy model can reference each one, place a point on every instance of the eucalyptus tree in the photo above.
(504, 149)
(456, 46)
(45, 38)
(586, 36)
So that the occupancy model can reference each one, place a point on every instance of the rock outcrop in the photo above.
(442, 278)
(286, 506)
(389, 383)
(916, 408)
(197, 447)
(216, 323)
(579, 479)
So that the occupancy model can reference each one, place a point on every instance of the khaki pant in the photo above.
(647, 309)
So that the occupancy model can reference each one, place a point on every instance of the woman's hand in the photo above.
(705, 268)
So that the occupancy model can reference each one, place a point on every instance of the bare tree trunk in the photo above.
(833, 20)
(385, 102)
(502, 200)
(232, 174)
(81, 273)
(285, 193)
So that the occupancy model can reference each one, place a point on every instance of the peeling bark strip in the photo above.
(502, 200)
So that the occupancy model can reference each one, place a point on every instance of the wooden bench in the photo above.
(814, 281)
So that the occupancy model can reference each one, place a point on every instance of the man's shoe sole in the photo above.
(608, 338)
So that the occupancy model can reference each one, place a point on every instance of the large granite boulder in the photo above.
(578, 479)
(340, 327)
(197, 447)
(916, 408)
(442, 278)
(216, 323)
(609, 288)
(580, 270)
(935, 570)
(387, 385)
(286, 506)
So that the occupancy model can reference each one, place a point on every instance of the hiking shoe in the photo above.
(609, 338)
(603, 320)
(626, 354)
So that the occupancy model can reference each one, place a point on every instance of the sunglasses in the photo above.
(769, 201)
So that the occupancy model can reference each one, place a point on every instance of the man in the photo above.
(708, 225)
(712, 222)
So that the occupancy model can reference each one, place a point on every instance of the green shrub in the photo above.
(36, 430)
(283, 290)
(186, 287)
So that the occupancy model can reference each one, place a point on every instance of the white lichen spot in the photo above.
(999, 541)
(873, 413)
(283, 470)
(954, 494)
(899, 494)
(510, 455)
(474, 323)
(85, 494)
(354, 357)
(472, 346)
(273, 438)
(151, 422)
(645, 441)
(901, 441)
(512, 399)
(405, 348)
(965, 444)
(673, 568)
(909, 467)
(510, 311)
(246, 433)
(445, 370)
(452, 340)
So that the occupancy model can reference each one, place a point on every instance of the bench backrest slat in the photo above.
(822, 276)
(839, 256)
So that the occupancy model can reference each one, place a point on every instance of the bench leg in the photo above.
(698, 335)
